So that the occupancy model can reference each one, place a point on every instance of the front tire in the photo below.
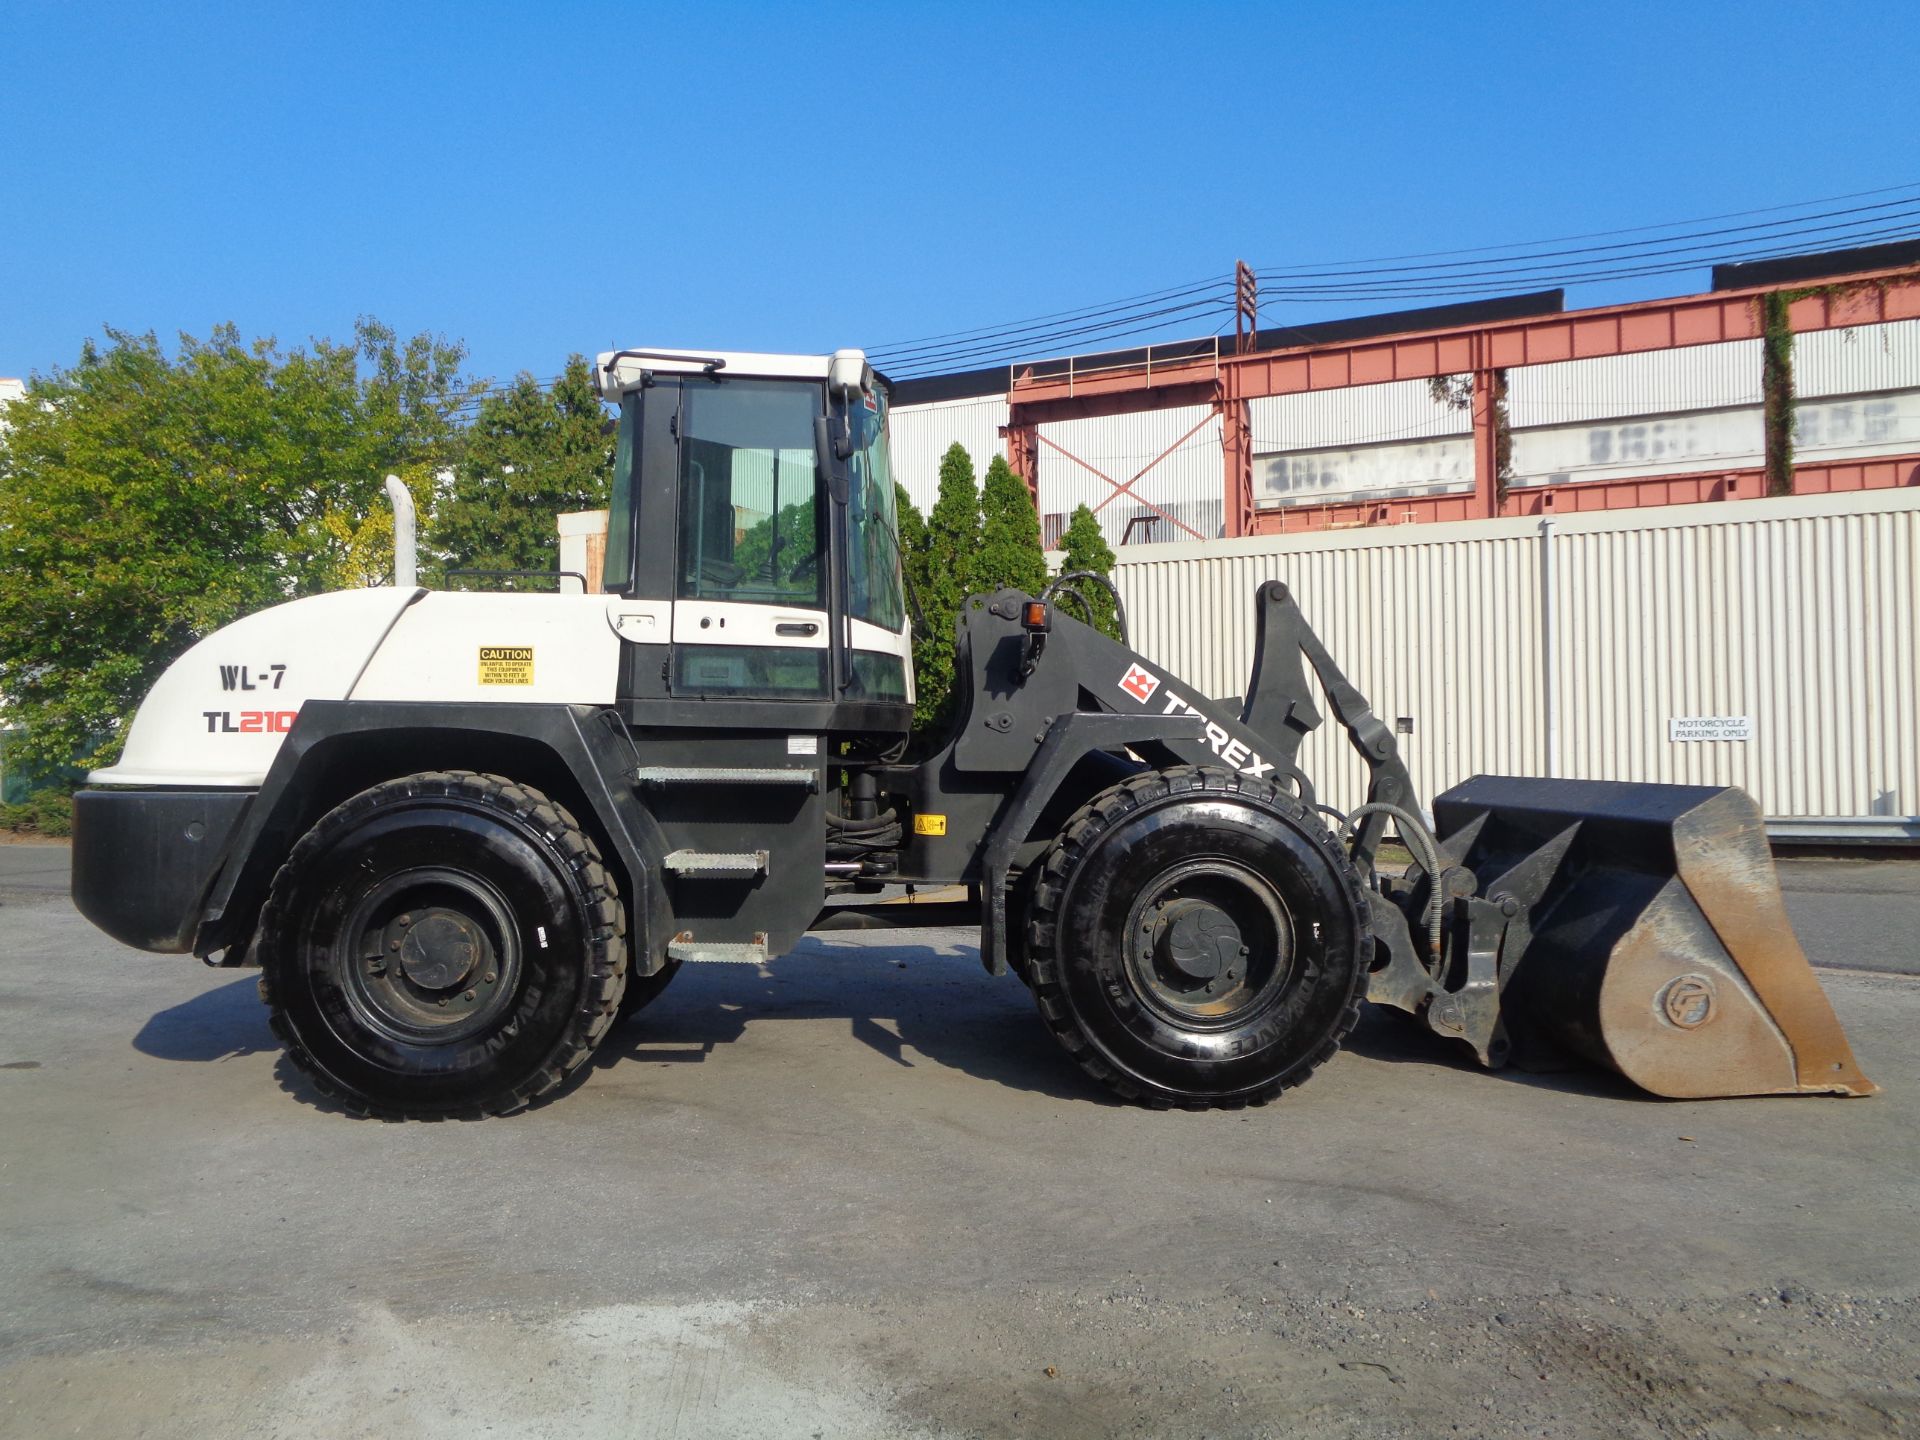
(1197, 938)
(444, 944)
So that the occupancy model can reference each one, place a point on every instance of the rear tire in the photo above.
(445, 944)
(1197, 938)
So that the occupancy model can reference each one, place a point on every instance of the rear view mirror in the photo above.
(832, 447)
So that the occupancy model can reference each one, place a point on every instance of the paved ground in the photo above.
(864, 1195)
(34, 867)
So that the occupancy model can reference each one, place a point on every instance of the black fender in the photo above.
(1069, 739)
(579, 754)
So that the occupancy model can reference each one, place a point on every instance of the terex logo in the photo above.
(1141, 683)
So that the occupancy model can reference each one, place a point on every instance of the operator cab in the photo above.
(753, 517)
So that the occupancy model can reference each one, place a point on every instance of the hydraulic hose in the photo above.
(1069, 584)
(1426, 850)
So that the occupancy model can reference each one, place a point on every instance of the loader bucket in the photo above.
(1649, 935)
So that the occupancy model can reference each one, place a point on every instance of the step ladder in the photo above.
(689, 951)
(716, 864)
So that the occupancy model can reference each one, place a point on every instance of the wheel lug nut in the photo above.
(394, 946)
(441, 1001)
(468, 996)
(406, 919)
(489, 977)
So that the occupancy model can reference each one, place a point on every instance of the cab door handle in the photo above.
(796, 627)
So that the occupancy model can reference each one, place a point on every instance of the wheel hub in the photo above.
(1197, 939)
(437, 957)
(440, 949)
(1213, 941)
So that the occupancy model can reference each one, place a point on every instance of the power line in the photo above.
(1780, 230)
(1494, 282)
(1217, 292)
(1172, 292)
(1497, 269)
(1628, 230)
(1109, 330)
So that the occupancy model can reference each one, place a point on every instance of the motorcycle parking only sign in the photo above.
(1709, 727)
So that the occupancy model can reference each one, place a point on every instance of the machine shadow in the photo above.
(223, 1023)
(912, 1003)
(1388, 1035)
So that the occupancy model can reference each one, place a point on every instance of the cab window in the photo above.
(751, 527)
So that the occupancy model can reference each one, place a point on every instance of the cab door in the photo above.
(750, 611)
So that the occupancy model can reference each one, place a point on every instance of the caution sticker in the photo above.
(506, 665)
(929, 824)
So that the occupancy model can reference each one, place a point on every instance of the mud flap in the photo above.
(1640, 927)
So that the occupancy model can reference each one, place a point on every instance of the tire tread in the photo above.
(1082, 832)
(606, 938)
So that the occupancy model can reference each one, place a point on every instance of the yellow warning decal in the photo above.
(506, 665)
(929, 824)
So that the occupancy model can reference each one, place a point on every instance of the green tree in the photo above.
(1010, 555)
(950, 559)
(532, 454)
(1086, 548)
(913, 545)
(146, 500)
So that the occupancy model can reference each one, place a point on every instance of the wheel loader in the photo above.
(462, 833)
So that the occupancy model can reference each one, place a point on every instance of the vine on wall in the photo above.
(1776, 389)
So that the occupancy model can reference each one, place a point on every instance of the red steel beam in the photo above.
(1536, 340)
(1236, 449)
(1023, 455)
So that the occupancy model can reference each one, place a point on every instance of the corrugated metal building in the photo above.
(1664, 413)
(1571, 647)
(1574, 651)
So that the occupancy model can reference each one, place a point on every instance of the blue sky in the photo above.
(541, 178)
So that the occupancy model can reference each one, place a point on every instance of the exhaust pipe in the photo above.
(405, 546)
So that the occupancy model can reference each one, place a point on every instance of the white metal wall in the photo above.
(1341, 444)
(1356, 415)
(1798, 613)
(1188, 483)
(920, 435)
(1657, 382)
(1654, 444)
(1858, 360)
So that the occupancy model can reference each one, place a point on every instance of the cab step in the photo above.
(664, 775)
(684, 948)
(716, 864)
